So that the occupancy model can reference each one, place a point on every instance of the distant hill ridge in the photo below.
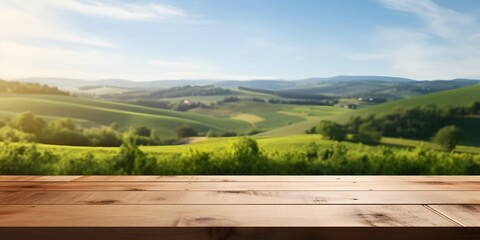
(455, 97)
(75, 83)
(382, 87)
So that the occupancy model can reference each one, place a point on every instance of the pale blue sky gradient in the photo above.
(239, 39)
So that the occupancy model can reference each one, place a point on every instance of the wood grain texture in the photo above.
(239, 207)
(219, 216)
(238, 186)
(465, 215)
(236, 197)
(241, 178)
(6, 178)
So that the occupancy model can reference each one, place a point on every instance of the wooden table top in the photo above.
(35, 204)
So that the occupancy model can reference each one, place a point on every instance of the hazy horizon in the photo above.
(239, 40)
(219, 80)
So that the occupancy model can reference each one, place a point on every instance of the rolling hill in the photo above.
(387, 87)
(456, 97)
(95, 112)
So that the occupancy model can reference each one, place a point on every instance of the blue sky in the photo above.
(239, 39)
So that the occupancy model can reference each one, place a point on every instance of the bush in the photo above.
(9, 134)
(332, 130)
(473, 107)
(211, 134)
(242, 157)
(65, 136)
(131, 159)
(185, 131)
(244, 153)
(29, 123)
(228, 134)
(449, 137)
(26, 160)
(88, 164)
(104, 137)
(368, 134)
(143, 131)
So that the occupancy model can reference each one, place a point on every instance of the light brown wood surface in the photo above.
(238, 178)
(220, 215)
(239, 207)
(238, 186)
(237, 197)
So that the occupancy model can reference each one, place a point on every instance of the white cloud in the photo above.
(35, 19)
(444, 46)
(36, 39)
(441, 21)
(120, 10)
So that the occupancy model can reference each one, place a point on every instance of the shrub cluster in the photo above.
(243, 156)
(27, 127)
(425, 123)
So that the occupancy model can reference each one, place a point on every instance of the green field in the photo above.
(273, 115)
(280, 144)
(96, 112)
(268, 144)
(284, 146)
(313, 116)
(288, 154)
(457, 97)
(239, 116)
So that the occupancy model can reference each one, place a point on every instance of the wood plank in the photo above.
(245, 178)
(235, 186)
(237, 197)
(219, 216)
(275, 178)
(38, 178)
(466, 215)
(238, 233)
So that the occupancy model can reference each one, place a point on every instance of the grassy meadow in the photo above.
(278, 145)
(97, 112)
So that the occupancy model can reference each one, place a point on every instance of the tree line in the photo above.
(27, 127)
(423, 122)
(29, 88)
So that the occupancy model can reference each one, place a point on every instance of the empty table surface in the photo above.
(239, 207)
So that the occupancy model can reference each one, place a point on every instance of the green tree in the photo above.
(143, 131)
(368, 134)
(211, 134)
(449, 137)
(29, 123)
(244, 147)
(114, 126)
(65, 136)
(129, 151)
(245, 154)
(131, 159)
(186, 131)
(63, 124)
(332, 130)
(105, 137)
(9, 134)
(473, 107)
